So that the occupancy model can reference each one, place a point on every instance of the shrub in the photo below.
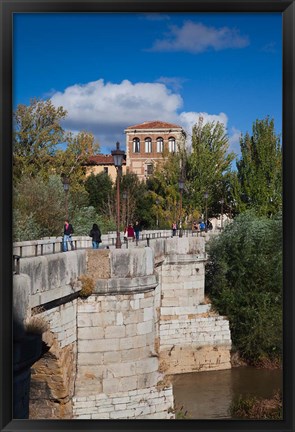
(254, 408)
(87, 286)
(244, 282)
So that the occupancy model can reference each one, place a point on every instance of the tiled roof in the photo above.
(102, 159)
(154, 125)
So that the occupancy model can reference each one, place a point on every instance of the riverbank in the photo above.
(253, 408)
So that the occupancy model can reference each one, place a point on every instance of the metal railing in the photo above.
(55, 245)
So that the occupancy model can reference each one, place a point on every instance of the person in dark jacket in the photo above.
(136, 231)
(96, 236)
(67, 237)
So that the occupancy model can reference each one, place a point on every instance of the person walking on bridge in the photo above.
(67, 237)
(96, 236)
(136, 231)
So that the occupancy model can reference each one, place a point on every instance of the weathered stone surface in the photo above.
(51, 272)
(52, 383)
(98, 263)
(184, 359)
(21, 297)
(138, 324)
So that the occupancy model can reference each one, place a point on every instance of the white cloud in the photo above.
(106, 109)
(234, 140)
(196, 38)
(175, 83)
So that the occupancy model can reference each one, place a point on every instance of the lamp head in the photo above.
(118, 155)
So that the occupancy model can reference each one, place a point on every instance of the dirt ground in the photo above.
(98, 264)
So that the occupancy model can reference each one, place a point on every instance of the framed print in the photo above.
(147, 196)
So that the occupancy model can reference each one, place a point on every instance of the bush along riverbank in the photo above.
(253, 408)
(244, 282)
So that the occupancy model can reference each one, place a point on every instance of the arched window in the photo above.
(148, 145)
(136, 145)
(160, 145)
(171, 145)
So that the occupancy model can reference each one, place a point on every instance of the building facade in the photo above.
(149, 143)
(103, 163)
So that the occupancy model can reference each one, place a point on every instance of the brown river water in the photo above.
(208, 395)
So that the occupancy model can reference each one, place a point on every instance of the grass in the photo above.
(253, 408)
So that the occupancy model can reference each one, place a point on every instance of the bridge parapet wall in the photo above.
(53, 277)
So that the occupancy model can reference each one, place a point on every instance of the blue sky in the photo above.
(113, 70)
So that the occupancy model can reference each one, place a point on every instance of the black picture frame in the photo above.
(7, 9)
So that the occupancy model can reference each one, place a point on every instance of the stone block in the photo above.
(90, 333)
(126, 414)
(115, 332)
(133, 317)
(112, 357)
(121, 400)
(145, 327)
(100, 416)
(139, 341)
(129, 383)
(122, 370)
(147, 365)
(131, 330)
(98, 345)
(126, 343)
(105, 409)
(111, 385)
(84, 359)
(135, 304)
(147, 302)
(148, 314)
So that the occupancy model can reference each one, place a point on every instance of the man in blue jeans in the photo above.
(136, 231)
(68, 231)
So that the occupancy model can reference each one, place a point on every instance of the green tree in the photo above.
(39, 203)
(37, 132)
(85, 217)
(259, 170)
(209, 165)
(134, 192)
(244, 282)
(163, 185)
(100, 190)
(71, 160)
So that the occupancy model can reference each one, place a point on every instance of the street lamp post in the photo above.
(66, 184)
(222, 202)
(206, 209)
(181, 187)
(118, 156)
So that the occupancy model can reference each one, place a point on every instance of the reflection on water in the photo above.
(208, 395)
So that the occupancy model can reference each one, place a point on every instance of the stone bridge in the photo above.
(119, 322)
